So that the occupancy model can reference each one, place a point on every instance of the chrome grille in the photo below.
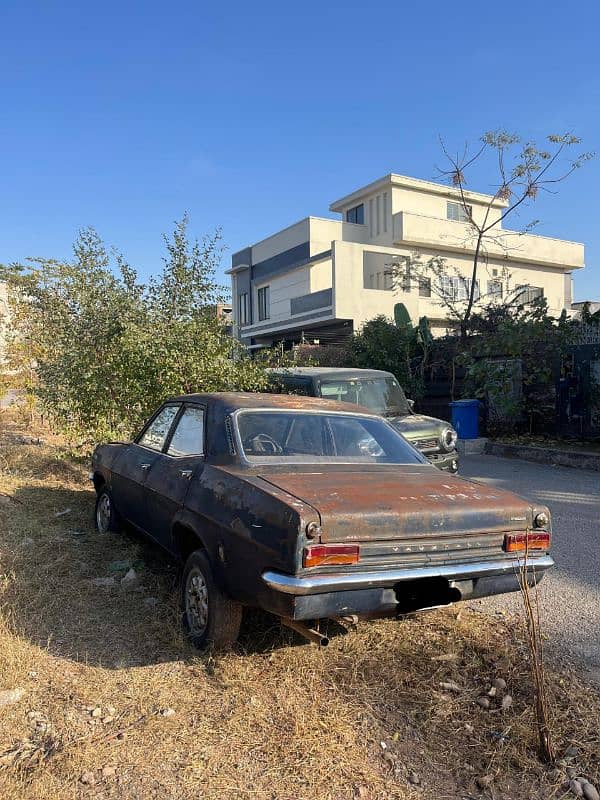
(426, 444)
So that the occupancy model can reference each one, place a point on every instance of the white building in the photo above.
(321, 279)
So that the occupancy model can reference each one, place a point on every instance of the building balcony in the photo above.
(444, 234)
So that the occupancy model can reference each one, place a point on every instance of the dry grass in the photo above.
(278, 719)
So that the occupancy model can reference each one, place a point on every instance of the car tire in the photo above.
(211, 619)
(106, 516)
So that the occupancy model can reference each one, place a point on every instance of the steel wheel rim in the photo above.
(103, 513)
(196, 603)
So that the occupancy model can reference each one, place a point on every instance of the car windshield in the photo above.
(320, 436)
(381, 395)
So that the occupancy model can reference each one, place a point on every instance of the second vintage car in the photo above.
(381, 393)
(309, 509)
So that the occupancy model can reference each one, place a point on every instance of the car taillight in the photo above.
(316, 555)
(520, 542)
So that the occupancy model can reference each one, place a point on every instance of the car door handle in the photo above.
(145, 467)
(186, 473)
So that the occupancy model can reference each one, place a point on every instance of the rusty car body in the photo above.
(309, 509)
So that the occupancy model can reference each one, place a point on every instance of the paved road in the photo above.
(571, 591)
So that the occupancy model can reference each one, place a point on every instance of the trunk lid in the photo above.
(362, 504)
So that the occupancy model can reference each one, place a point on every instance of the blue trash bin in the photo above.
(465, 418)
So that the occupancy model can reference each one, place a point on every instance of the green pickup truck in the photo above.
(379, 392)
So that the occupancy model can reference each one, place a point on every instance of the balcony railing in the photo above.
(311, 302)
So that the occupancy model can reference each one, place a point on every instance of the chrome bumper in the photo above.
(344, 581)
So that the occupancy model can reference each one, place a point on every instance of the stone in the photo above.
(27, 541)
(88, 778)
(130, 579)
(168, 712)
(151, 602)
(484, 702)
(590, 792)
(107, 720)
(499, 683)
(483, 781)
(492, 692)
(575, 788)
(111, 710)
(97, 712)
(10, 696)
(506, 703)
(414, 778)
(571, 752)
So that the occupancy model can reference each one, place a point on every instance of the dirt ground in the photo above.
(110, 701)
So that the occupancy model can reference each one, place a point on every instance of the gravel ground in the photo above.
(571, 591)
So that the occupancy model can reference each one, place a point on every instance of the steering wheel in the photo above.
(263, 443)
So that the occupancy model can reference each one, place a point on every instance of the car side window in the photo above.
(188, 439)
(155, 435)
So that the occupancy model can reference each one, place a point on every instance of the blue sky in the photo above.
(252, 115)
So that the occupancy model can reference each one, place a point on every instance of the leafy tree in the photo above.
(380, 344)
(522, 170)
(106, 349)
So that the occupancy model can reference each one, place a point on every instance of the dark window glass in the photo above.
(381, 395)
(494, 288)
(309, 438)
(527, 294)
(424, 287)
(188, 439)
(356, 214)
(264, 311)
(156, 434)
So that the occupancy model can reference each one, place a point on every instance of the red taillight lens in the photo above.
(322, 554)
(520, 542)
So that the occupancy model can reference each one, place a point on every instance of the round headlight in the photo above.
(448, 439)
(541, 520)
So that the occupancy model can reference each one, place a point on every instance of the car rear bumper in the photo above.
(377, 593)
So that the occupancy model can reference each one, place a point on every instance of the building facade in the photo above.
(321, 279)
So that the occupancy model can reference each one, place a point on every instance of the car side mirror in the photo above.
(411, 404)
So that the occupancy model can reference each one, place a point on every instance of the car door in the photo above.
(132, 467)
(169, 477)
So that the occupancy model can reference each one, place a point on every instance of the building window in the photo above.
(378, 205)
(424, 287)
(457, 288)
(356, 215)
(527, 294)
(494, 289)
(371, 217)
(243, 308)
(263, 303)
(456, 212)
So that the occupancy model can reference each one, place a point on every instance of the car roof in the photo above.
(331, 372)
(231, 401)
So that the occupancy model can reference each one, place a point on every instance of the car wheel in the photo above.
(106, 516)
(210, 618)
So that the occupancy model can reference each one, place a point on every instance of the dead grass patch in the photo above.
(103, 670)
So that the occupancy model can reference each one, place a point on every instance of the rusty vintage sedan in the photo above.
(310, 510)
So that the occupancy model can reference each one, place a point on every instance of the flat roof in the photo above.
(393, 179)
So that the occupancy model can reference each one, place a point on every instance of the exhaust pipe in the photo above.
(314, 636)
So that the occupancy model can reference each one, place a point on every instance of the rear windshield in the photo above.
(314, 437)
(381, 395)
